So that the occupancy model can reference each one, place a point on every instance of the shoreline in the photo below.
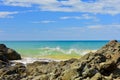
(27, 60)
(49, 58)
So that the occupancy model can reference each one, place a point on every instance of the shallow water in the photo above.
(54, 49)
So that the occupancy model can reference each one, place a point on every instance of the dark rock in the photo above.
(3, 64)
(13, 55)
(107, 67)
(3, 57)
(3, 47)
(8, 54)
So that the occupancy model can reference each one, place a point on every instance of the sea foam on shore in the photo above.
(27, 60)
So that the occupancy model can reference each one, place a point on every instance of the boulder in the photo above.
(8, 54)
(13, 55)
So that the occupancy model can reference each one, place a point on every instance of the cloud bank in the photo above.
(97, 7)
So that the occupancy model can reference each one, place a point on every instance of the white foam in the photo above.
(31, 60)
(87, 51)
(48, 50)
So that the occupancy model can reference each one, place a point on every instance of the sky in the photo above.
(59, 19)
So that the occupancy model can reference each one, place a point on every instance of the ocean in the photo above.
(54, 49)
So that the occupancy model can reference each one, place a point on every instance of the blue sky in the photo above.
(59, 19)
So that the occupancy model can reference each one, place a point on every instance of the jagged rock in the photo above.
(15, 72)
(110, 48)
(89, 72)
(94, 57)
(10, 77)
(107, 67)
(70, 74)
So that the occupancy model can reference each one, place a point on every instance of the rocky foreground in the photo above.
(104, 64)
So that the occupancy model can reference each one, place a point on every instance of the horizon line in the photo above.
(59, 40)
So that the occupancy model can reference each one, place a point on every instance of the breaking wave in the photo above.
(58, 50)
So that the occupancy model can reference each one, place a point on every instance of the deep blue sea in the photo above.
(41, 48)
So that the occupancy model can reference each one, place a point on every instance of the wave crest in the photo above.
(58, 50)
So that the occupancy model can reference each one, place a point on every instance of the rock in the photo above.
(70, 74)
(116, 72)
(94, 57)
(10, 77)
(3, 57)
(97, 76)
(41, 77)
(3, 64)
(107, 67)
(8, 53)
(15, 72)
(13, 55)
(110, 48)
(89, 72)
(3, 47)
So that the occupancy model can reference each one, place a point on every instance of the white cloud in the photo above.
(7, 14)
(84, 16)
(28, 3)
(99, 6)
(44, 21)
(110, 27)
(71, 17)
(104, 27)
(95, 27)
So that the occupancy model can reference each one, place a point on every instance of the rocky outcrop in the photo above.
(15, 72)
(8, 54)
(104, 64)
(7, 71)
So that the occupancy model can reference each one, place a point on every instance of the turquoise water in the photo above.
(41, 48)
